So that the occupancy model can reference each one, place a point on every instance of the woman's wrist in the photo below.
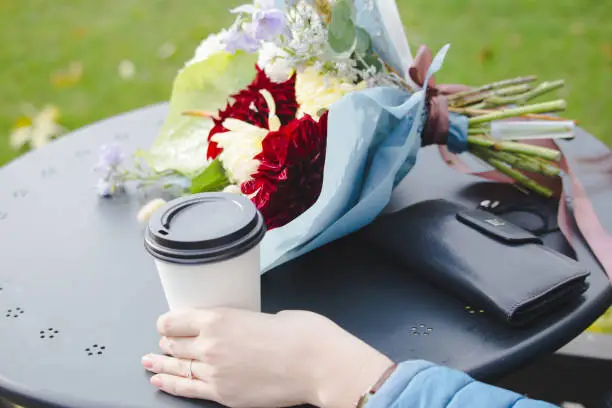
(348, 368)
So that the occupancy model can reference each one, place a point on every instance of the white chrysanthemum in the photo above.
(213, 44)
(275, 63)
(240, 144)
(316, 91)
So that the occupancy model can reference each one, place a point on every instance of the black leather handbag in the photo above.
(481, 258)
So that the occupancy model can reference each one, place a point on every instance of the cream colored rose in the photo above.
(316, 91)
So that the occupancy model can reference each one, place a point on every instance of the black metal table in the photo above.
(79, 296)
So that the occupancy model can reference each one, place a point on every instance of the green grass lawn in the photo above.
(491, 39)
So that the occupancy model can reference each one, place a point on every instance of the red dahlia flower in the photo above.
(243, 101)
(290, 176)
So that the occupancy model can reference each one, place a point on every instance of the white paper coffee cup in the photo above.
(206, 249)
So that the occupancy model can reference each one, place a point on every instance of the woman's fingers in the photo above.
(183, 387)
(183, 323)
(175, 366)
(181, 347)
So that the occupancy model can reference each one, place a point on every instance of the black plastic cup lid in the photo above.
(204, 228)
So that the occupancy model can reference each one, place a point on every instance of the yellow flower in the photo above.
(324, 8)
(316, 92)
(37, 130)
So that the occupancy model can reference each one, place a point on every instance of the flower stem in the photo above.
(519, 177)
(544, 167)
(472, 111)
(545, 107)
(507, 91)
(478, 131)
(524, 98)
(494, 85)
(521, 162)
(514, 147)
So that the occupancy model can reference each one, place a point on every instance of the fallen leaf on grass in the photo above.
(485, 55)
(80, 32)
(607, 50)
(69, 76)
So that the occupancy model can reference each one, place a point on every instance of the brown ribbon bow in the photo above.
(437, 123)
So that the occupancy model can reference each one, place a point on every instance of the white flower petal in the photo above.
(235, 125)
(274, 61)
(20, 137)
(245, 8)
(148, 209)
(213, 44)
(240, 145)
(233, 189)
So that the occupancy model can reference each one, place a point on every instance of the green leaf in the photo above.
(342, 34)
(204, 85)
(373, 61)
(212, 178)
(364, 41)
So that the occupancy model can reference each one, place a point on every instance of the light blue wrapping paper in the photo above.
(372, 143)
(384, 24)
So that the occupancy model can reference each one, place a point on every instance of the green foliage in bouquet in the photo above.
(203, 85)
(342, 32)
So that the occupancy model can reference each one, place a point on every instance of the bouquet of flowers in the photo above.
(316, 110)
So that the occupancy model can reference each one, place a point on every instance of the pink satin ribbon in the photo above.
(595, 235)
(437, 124)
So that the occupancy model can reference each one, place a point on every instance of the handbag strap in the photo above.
(573, 200)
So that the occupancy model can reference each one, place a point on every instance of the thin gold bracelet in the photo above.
(373, 389)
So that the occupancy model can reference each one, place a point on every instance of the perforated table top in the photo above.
(79, 296)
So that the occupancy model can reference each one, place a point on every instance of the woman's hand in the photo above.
(244, 359)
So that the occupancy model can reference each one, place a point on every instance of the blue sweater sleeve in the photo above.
(421, 384)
